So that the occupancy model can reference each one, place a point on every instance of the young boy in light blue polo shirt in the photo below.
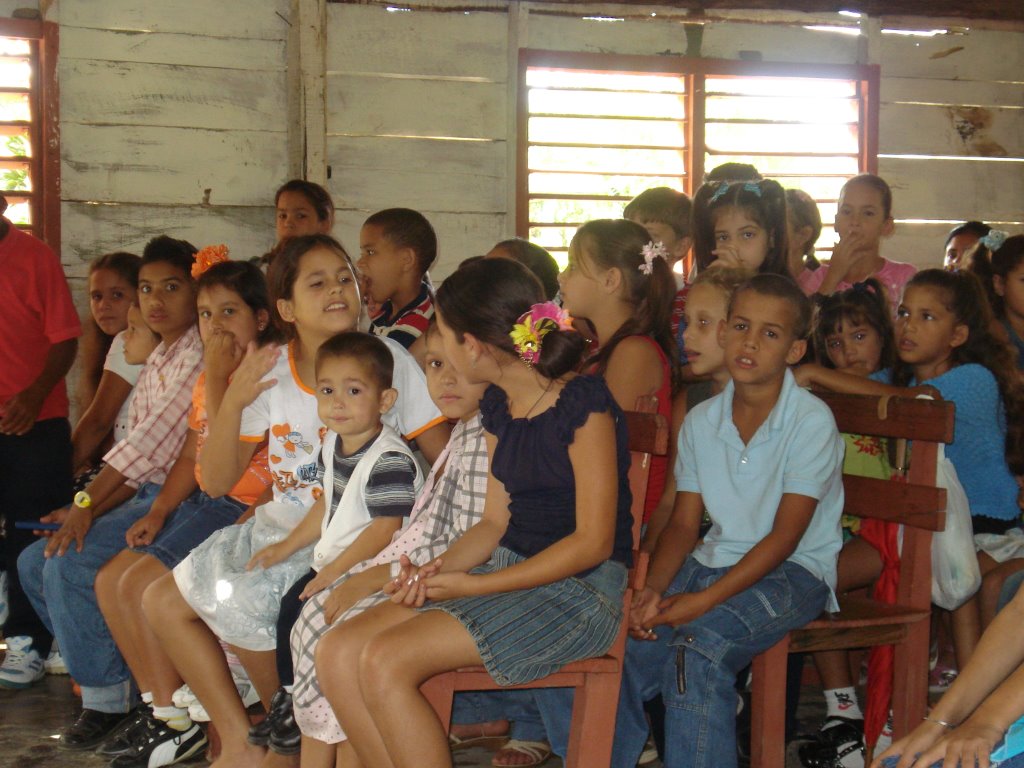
(765, 459)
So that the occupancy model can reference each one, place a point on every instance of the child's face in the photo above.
(139, 340)
(758, 338)
(663, 233)
(856, 347)
(705, 312)
(348, 400)
(324, 298)
(957, 246)
(110, 295)
(296, 217)
(926, 330)
(222, 311)
(580, 283)
(1011, 288)
(739, 240)
(797, 236)
(167, 299)
(861, 212)
(456, 352)
(381, 262)
(456, 397)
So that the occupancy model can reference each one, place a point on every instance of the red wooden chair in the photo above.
(861, 622)
(596, 681)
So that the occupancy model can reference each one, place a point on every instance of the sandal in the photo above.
(537, 751)
(455, 743)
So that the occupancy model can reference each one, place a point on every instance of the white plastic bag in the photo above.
(955, 573)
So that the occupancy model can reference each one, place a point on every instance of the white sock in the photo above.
(288, 688)
(842, 702)
(147, 697)
(175, 717)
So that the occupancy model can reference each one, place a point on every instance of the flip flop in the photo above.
(537, 751)
(488, 742)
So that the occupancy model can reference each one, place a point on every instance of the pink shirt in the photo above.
(893, 276)
(36, 312)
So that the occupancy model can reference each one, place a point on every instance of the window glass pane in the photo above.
(10, 46)
(14, 141)
(612, 81)
(15, 73)
(787, 109)
(15, 175)
(19, 210)
(586, 183)
(792, 166)
(654, 161)
(781, 86)
(610, 103)
(796, 139)
(582, 130)
(574, 211)
(14, 107)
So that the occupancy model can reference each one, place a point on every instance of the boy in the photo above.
(764, 458)
(397, 247)
(370, 482)
(665, 214)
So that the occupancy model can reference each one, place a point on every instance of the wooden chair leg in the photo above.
(592, 734)
(768, 707)
(439, 691)
(910, 683)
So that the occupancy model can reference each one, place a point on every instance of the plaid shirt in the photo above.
(158, 417)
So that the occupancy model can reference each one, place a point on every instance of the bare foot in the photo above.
(246, 756)
(472, 731)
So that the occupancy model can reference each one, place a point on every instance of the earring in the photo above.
(260, 326)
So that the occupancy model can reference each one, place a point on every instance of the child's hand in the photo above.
(846, 254)
(679, 609)
(643, 609)
(408, 587)
(269, 556)
(804, 374)
(145, 529)
(319, 583)
(18, 415)
(726, 256)
(76, 524)
(221, 354)
(445, 586)
(247, 384)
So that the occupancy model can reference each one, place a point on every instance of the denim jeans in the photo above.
(62, 591)
(700, 722)
(516, 705)
(1010, 587)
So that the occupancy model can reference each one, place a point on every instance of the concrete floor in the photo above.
(31, 719)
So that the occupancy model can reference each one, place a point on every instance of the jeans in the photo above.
(1010, 587)
(700, 720)
(516, 705)
(62, 590)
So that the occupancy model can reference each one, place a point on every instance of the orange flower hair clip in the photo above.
(207, 257)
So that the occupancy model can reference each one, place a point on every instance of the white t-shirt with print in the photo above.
(115, 363)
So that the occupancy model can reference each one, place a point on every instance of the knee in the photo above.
(335, 659)
(31, 563)
(161, 601)
(379, 666)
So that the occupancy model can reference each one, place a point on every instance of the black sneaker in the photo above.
(839, 744)
(91, 729)
(159, 744)
(125, 736)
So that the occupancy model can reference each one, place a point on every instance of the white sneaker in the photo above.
(183, 697)
(22, 665)
(54, 664)
(5, 607)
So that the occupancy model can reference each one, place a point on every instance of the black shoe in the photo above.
(285, 736)
(161, 745)
(259, 734)
(91, 729)
(839, 744)
(124, 736)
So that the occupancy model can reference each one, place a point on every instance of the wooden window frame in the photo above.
(695, 72)
(44, 100)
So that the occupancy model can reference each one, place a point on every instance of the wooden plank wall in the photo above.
(419, 108)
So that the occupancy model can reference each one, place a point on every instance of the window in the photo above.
(597, 130)
(27, 162)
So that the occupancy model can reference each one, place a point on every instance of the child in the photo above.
(35, 444)
(864, 217)
(960, 240)
(764, 459)
(534, 258)
(303, 208)
(210, 593)
(370, 480)
(139, 340)
(397, 247)
(803, 231)
(1008, 284)
(557, 501)
(233, 310)
(665, 214)
(59, 572)
(450, 503)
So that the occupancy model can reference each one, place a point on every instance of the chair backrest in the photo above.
(648, 437)
(910, 499)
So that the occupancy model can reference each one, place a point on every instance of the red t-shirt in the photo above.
(36, 311)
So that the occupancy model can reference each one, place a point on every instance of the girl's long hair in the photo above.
(245, 279)
(863, 304)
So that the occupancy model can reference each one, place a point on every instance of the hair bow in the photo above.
(207, 257)
(748, 186)
(651, 251)
(994, 239)
(533, 325)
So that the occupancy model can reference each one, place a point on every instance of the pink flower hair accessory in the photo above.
(533, 325)
(207, 257)
(651, 251)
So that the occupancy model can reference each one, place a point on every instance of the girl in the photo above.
(944, 341)
(557, 503)
(742, 224)
(1007, 260)
(106, 378)
(59, 573)
(621, 283)
(303, 208)
(863, 218)
(234, 311)
(210, 594)
(450, 503)
(803, 228)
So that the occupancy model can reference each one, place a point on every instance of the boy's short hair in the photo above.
(780, 287)
(662, 204)
(370, 351)
(407, 228)
(178, 253)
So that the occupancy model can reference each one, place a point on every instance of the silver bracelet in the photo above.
(943, 723)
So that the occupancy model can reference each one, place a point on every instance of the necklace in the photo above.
(537, 401)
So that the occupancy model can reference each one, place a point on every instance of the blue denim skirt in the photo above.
(192, 523)
(527, 634)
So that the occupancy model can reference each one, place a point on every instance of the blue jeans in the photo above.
(1010, 587)
(700, 722)
(516, 705)
(62, 591)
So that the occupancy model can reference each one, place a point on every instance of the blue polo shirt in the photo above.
(796, 450)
